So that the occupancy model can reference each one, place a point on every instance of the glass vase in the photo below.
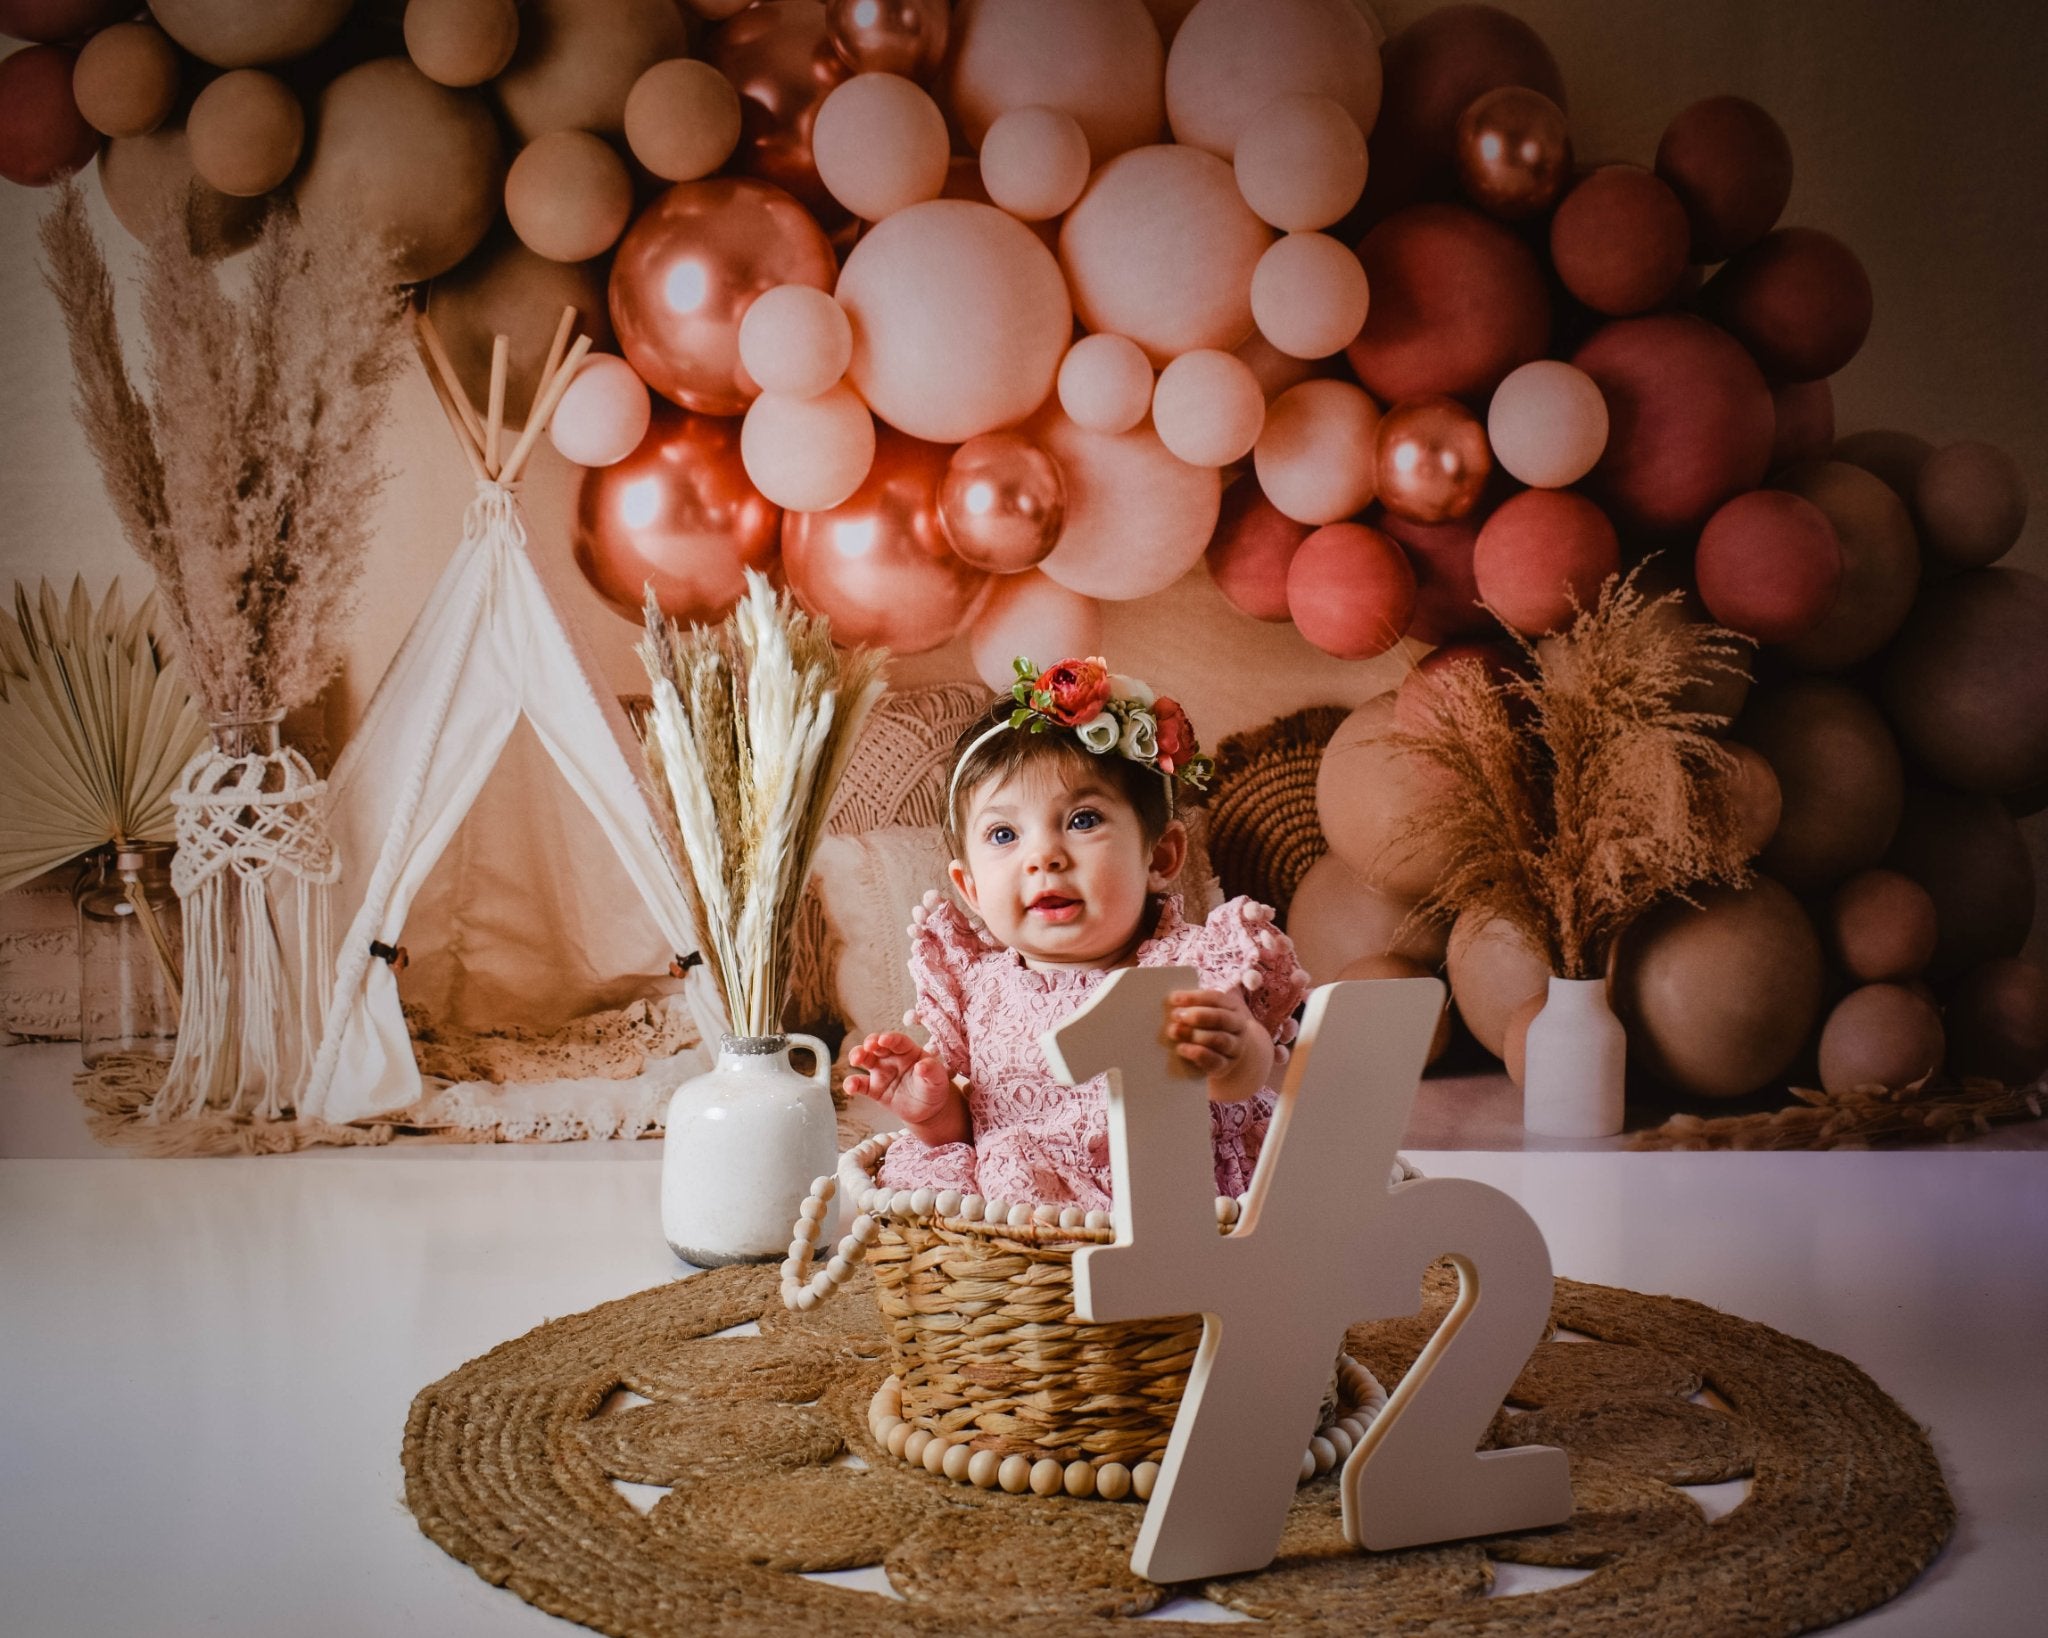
(130, 947)
(743, 1144)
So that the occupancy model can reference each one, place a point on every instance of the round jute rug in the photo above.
(509, 1462)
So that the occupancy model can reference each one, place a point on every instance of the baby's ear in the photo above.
(963, 884)
(1169, 853)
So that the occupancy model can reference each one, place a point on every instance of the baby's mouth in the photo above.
(1054, 907)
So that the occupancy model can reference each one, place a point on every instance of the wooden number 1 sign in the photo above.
(1323, 1242)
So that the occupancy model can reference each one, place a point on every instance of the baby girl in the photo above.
(1061, 824)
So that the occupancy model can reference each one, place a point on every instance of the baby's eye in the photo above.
(999, 835)
(1084, 819)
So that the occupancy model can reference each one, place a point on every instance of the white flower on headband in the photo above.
(1129, 688)
(1140, 738)
(1098, 733)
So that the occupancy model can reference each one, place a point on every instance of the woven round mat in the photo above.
(509, 1462)
(1263, 829)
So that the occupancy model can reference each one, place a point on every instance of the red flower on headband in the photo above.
(1077, 691)
(1176, 734)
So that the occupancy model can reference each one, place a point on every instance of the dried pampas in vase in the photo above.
(246, 480)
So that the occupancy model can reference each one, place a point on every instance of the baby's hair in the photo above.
(1001, 755)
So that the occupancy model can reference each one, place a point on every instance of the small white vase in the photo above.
(1574, 1074)
(743, 1144)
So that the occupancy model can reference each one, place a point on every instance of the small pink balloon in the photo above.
(1002, 502)
(880, 145)
(795, 339)
(1300, 162)
(808, 454)
(1034, 162)
(1029, 614)
(1208, 408)
(1315, 456)
(1138, 518)
(1105, 383)
(603, 415)
(1309, 295)
(1547, 424)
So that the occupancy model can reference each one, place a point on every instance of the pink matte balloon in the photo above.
(795, 339)
(1161, 248)
(1208, 408)
(1249, 553)
(1099, 60)
(808, 454)
(1300, 162)
(1034, 162)
(604, 415)
(686, 272)
(877, 565)
(1137, 517)
(1365, 791)
(1029, 614)
(1350, 591)
(1309, 295)
(960, 319)
(1315, 456)
(880, 145)
(1232, 58)
(1003, 502)
(1105, 383)
(1547, 423)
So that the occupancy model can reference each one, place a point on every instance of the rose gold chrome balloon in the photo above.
(688, 269)
(878, 566)
(780, 59)
(906, 37)
(1432, 459)
(1514, 152)
(1002, 502)
(677, 513)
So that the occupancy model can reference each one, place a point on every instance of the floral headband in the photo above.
(1105, 713)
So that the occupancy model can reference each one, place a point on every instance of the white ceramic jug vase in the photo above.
(1575, 1066)
(744, 1142)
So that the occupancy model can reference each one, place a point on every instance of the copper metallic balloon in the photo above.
(1432, 458)
(678, 514)
(1002, 502)
(906, 37)
(877, 565)
(688, 269)
(1514, 152)
(780, 59)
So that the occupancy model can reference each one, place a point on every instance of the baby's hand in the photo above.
(1210, 1026)
(896, 1072)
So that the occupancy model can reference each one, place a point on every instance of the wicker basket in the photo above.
(997, 1381)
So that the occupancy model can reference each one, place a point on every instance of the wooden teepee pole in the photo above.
(456, 424)
(537, 417)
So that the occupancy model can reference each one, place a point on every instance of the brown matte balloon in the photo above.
(1966, 681)
(1364, 790)
(1336, 920)
(906, 37)
(504, 289)
(688, 269)
(1893, 457)
(1731, 166)
(1493, 969)
(1432, 459)
(1968, 852)
(1446, 580)
(568, 196)
(1690, 420)
(1998, 1022)
(461, 42)
(1839, 774)
(43, 136)
(236, 34)
(1457, 302)
(1881, 925)
(1798, 299)
(1806, 422)
(1970, 500)
(1002, 502)
(1372, 967)
(1758, 801)
(1514, 1052)
(1415, 701)
(1542, 557)
(247, 130)
(577, 61)
(1768, 565)
(1350, 591)
(1880, 565)
(126, 79)
(143, 176)
(1718, 690)
(1880, 1035)
(780, 58)
(877, 565)
(1514, 152)
(1433, 70)
(411, 163)
(47, 21)
(679, 514)
(1249, 553)
(1719, 996)
(1619, 240)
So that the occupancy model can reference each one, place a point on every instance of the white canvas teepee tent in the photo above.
(487, 649)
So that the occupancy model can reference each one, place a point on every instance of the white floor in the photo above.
(205, 1365)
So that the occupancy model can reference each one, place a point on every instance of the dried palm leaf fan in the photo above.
(96, 724)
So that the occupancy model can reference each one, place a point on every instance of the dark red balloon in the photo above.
(1806, 422)
(1798, 299)
(1249, 553)
(1351, 591)
(1730, 164)
(1542, 557)
(1433, 70)
(1415, 701)
(48, 20)
(43, 136)
(1457, 302)
(1690, 421)
(1446, 586)
(1769, 565)
(1619, 240)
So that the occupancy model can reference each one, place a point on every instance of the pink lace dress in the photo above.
(1034, 1138)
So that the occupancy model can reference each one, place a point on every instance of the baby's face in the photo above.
(1058, 866)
